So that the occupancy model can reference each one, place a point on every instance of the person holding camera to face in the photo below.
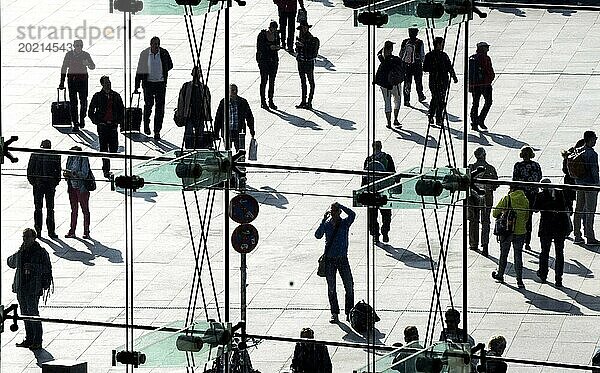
(336, 230)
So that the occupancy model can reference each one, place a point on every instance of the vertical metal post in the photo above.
(465, 276)
(227, 139)
(243, 268)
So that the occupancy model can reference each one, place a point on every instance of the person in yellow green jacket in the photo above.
(520, 205)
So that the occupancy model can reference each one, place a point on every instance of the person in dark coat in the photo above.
(240, 116)
(307, 47)
(390, 67)
(193, 112)
(555, 225)
(43, 173)
(480, 207)
(480, 84)
(496, 347)
(310, 357)
(106, 112)
(528, 170)
(412, 52)
(152, 73)
(438, 65)
(33, 275)
(287, 20)
(267, 56)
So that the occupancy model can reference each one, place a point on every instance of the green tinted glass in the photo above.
(170, 7)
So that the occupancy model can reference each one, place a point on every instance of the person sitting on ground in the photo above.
(310, 357)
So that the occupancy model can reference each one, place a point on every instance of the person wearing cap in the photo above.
(267, 56)
(480, 207)
(77, 169)
(106, 112)
(586, 201)
(555, 225)
(412, 53)
(389, 77)
(43, 173)
(307, 49)
(528, 170)
(193, 112)
(481, 76)
(287, 19)
(440, 69)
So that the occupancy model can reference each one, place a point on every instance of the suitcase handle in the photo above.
(131, 99)
(58, 93)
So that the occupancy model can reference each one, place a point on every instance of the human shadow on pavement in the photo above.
(268, 196)
(322, 61)
(344, 124)
(546, 303)
(419, 139)
(165, 146)
(136, 136)
(576, 269)
(296, 120)
(326, 3)
(63, 250)
(353, 336)
(42, 356)
(97, 249)
(147, 196)
(516, 11)
(563, 12)
(591, 302)
(406, 256)
(500, 139)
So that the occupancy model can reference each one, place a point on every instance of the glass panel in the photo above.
(170, 7)
(402, 193)
(441, 357)
(166, 348)
(403, 14)
(202, 168)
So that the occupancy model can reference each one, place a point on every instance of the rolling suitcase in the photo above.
(133, 116)
(61, 110)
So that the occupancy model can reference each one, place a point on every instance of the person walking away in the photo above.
(389, 77)
(480, 207)
(310, 357)
(438, 65)
(152, 73)
(106, 112)
(307, 50)
(517, 202)
(496, 347)
(43, 173)
(585, 205)
(336, 230)
(381, 162)
(555, 225)
(528, 170)
(193, 111)
(74, 68)
(481, 76)
(267, 56)
(240, 116)
(33, 276)
(412, 53)
(78, 168)
(287, 20)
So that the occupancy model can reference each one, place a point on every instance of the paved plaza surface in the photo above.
(546, 94)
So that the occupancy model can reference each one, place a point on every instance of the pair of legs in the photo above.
(154, 92)
(306, 69)
(268, 72)
(559, 263)
(387, 101)
(79, 198)
(585, 207)
(109, 142)
(386, 218)
(39, 194)
(195, 137)
(28, 303)
(413, 70)
(437, 105)
(287, 22)
(78, 86)
(480, 211)
(478, 118)
(516, 240)
(335, 264)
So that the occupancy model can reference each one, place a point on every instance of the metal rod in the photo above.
(529, 184)
(465, 233)
(564, 6)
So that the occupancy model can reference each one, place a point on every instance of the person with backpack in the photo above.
(555, 225)
(307, 50)
(528, 170)
(440, 69)
(383, 162)
(481, 76)
(570, 194)
(310, 357)
(389, 77)
(336, 231)
(515, 209)
(586, 202)
(193, 112)
(412, 53)
(33, 277)
(480, 207)
(267, 56)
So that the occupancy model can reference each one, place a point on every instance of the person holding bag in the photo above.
(512, 214)
(336, 230)
(80, 181)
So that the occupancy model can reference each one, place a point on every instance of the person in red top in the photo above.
(481, 76)
(287, 19)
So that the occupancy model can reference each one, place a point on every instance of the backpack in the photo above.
(314, 52)
(374, 165)
(475, 71)
(363, 317)
(409, 53)
(395, 75)
(576, 164)
(505, 224)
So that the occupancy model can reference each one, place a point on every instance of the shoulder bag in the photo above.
(322, 269)
(505, 224)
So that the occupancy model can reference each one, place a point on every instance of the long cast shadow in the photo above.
(344, 124)
(419, 139)
(546, 303)
(98, 249)
(271, 197)
(296, 120)
(42, 356)
(407, 257)
(322, 61)
(64, 251)
(147, 196)
(353, 336)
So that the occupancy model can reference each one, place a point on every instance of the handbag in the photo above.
(252, 150)
(302, 16)
(90, 182)
(322, 268)
(505, 224)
